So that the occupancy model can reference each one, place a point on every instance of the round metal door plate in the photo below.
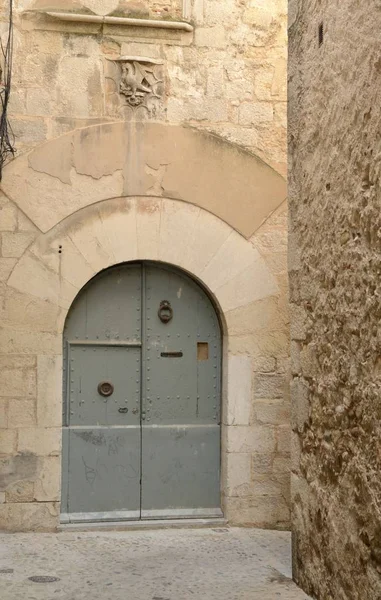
(105, 388)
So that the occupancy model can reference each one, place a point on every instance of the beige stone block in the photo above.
(238, 472)
(97, 162)
(261, 463)
(76, 76)
(29, 131)
(271, 413)
(34, 64)
(176, 228)
(239, 390)
(198, 11)
(92, 241)
(148, 217)
(58, 162)
(277, 263)
(8, 216)
(308, 361)
(279, 84)
(263, 511)
(34, 516)
(24, 312)
(119, 223)
(38, 102)
(232, 258)
(140, 49)
(2, 497)
(21, 413)
(207, 237)
(298, 322)
(296, 451)
(260, 17)
(243, 136)
(17, 383)
(256, 113)
(17, 361)
(212, 37)
(269, 242)
(300, 406)
(17, 102)
(263, 83)
(272, 343)
(8, 439)
(261, 315)
(198, 109)
(47, 487)
(239, 90)
(6, 266)
(29, 342)
(4, 413)
(101, 7)
(14, 244)
(20, 491)
(250, 439)
(282, 464)
(49, 391)
(254, 283)
(215, 87)
(283, 435)
(63, 257)
(40, 441)
(32, 277)
(264, 364)
(269, 385)
(24, 223)
(43, 42)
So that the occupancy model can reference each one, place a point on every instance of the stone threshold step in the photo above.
(147, 524)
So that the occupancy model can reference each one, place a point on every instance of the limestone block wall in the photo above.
(187, 170)
(228, 76)
(335, 118)
(56, 236)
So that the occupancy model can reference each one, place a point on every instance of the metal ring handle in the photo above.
(105, 388)
(165, 311)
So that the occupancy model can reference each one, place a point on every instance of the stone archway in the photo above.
(84, 230)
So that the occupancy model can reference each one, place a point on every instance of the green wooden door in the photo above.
(141, 436)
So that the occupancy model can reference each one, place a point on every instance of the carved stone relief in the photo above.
(140, 80)
(140, 85)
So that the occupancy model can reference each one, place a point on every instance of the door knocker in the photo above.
(165, 311)
(105, 388)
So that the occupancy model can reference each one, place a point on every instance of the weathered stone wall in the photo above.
(184, 196)
(335, 119)
(228, 76)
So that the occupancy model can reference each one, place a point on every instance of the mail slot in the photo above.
(171, 354)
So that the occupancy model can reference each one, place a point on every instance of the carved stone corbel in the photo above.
(141, 82)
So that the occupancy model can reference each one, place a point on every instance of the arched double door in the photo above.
(142, 372)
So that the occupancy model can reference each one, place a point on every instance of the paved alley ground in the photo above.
(171, 564)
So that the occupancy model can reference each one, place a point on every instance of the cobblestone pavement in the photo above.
(167, 564)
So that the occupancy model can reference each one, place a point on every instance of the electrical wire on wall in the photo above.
(6, 136)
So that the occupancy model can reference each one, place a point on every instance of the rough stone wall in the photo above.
(335, 119)
(228, 76)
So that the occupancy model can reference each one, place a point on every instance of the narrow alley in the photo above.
(167, 564)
